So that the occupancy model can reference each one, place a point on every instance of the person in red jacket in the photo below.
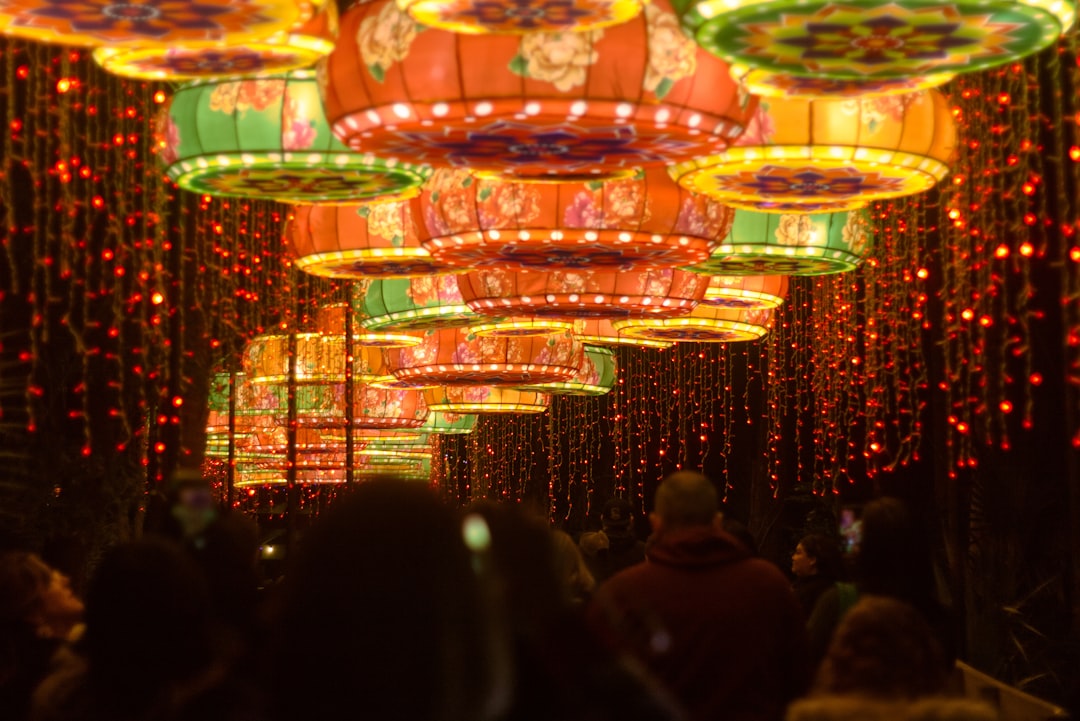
(721, 629)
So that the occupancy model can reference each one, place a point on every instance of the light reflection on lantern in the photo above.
(867, 39)
(520, 16)
(773, 244)
(267, 138)
(830, 154)
(638, 222)
(457, 357)
(485, 399)
(540, 105)
(706, 325)
(596, 377)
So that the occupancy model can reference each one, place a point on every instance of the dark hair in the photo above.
(883, 648)
(825, 550)
(24, 577)
(686, 498)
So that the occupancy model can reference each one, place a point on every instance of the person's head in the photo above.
(883, 649)
(685, 499)
(617, 517)
(37, 596)
(894, 556)
(817, 555)
(191, 502)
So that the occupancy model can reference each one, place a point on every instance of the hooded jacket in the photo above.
(720, 628)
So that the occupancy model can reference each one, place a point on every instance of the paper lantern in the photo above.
(520, 16)
(830, 155)
(541, 105)
(772, 244)
(251, 476)
(319, 358)
(370, 240)
(867, 39)
(745, 292)
(777, 85)
(515, 327)
(572, 295)
(596, 377)
(386, 408)
(330, 320)
(706, 324)
(457, 357)
(417, 303)
(268, 138)
(310, 38)
(448, 423)
(485, 399)
(161, 23)
(643, 221)
(598, 331)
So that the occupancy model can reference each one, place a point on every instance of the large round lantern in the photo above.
(574, 294)
(456, 357)
(319, 358)
(811, 87)
(806, 156)
(310, 38)
(642, 221)
(790, 244)
(330, 320)
(448, 423)
(599, 331)
(540, 105)
(707, 324)
(388, 408)
(596, 377)
(369, 240)
(485, 399)
(520, 16)
(418, 303)
(745, 291)
(200, 23)
(267, 138)
(867, 39)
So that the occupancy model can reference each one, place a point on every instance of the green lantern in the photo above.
(596, 377)
(421, 303)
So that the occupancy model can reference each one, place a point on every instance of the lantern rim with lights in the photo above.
(782, 36)
(597, 376)
(89, 23)
(476, 400)
(330, 320)
(704, 325)
(766, 84)
(417, 303)
(454, 356)
(598, 331)
(791, 244)
(268, 138)
(826, 154)
(471, 16)
(645, 220)
(360, 241)
(448, 423)
(745, 292)
(520, 327)
(574, 295)
(585, 104)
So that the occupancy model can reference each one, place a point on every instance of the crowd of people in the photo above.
(398, 607)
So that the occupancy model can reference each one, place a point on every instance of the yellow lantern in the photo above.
(520, 16)
(706, 324)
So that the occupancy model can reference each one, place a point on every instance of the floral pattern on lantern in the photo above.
(866, 39)
(417, 303)
(369, 240)
(539, 105)
(268, 138)
(310, 38)
(842, 153)
(706, 324)
(448, 423)
(771, 244)
(596, 377)
(572, 295)
(520, 16)
(388, 408)
(485, 399)
(456, 357)
(745, 292)
(162, 23)
(643, 221)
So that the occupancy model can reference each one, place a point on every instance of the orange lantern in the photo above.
(568, 294)
(388, 408)
(485, 399)
(417, 303)
(457, 357)
(540, 105)
(643, 221)
(370, 240)
(520, 16)
(706, 324)
(330, 320)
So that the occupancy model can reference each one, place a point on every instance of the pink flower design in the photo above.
(298, 129)
(507, 205)
(704, 217)
(583, 212)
